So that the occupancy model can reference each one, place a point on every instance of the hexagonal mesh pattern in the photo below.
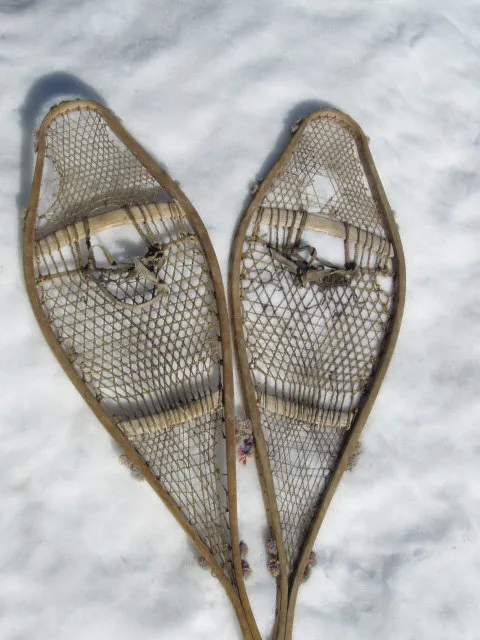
(324, 175)
(295, 445)
(313, 330)
(86, 168)
(143, 333)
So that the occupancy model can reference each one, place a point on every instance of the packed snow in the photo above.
(211, 89)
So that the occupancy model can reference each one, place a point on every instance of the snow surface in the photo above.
(211, 88)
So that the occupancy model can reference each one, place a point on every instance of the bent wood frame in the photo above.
(239, 601)
(287, 589)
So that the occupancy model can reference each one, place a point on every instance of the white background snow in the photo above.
(211, 89)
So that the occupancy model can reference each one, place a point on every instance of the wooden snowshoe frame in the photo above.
(90, 176)
(313, 338)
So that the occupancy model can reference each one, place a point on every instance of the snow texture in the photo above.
(211, 88)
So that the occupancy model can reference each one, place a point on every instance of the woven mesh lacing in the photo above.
(140, 354)
(314, 345)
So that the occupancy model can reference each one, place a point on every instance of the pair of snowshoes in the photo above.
(127, 290)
